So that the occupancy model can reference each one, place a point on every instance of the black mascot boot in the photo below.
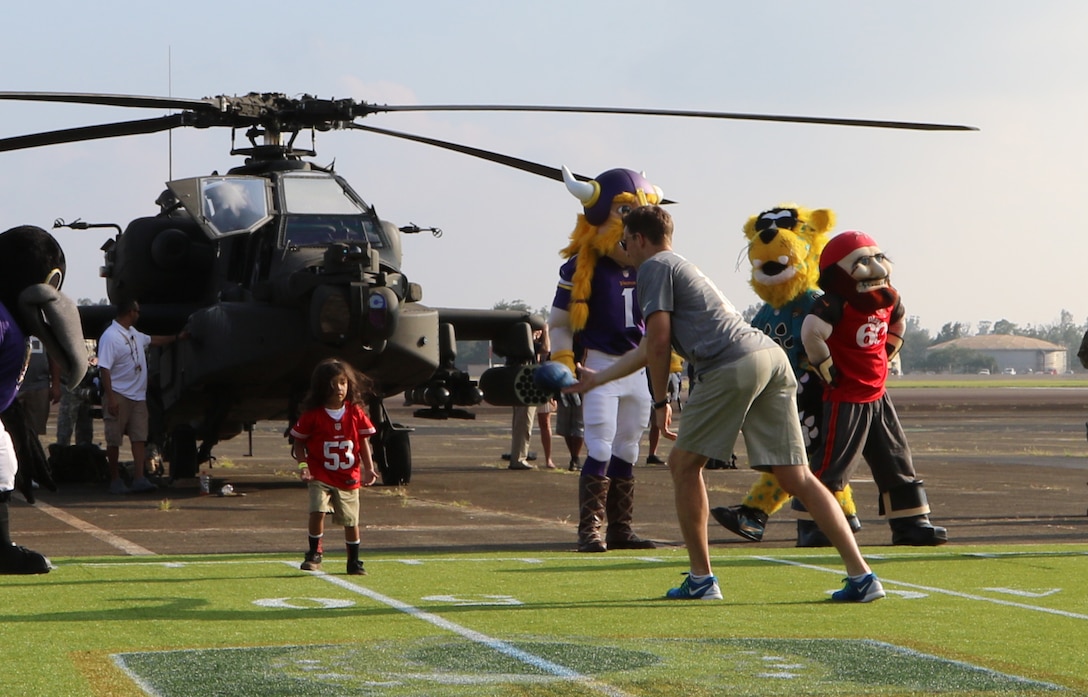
(13, 558)
(750, 523)
(592, 495)
(620, 508)
(810, 535)
(907, 508)
(917, 531)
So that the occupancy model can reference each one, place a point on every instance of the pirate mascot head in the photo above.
(32, 269)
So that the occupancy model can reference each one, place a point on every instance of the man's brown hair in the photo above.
(652, 222)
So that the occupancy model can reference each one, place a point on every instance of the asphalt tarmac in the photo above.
(1002, 466)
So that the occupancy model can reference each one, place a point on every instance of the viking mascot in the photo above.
(595, 309)
(31, 271)
(784, 246)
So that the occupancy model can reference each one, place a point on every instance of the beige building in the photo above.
(1020, 353)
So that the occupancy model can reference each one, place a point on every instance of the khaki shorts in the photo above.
(756, 396)
(131, 420)
(344, 503)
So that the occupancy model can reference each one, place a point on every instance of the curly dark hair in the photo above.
(359, 385)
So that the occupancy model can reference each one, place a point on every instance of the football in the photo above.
(553, 376)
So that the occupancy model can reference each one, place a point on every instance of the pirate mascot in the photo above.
(31, 271)
(596, 309)
(850, 336)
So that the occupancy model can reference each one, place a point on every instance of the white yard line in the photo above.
(934, 589)
(94, 531)
(492, 643)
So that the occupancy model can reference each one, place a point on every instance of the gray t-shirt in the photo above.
(706, 329)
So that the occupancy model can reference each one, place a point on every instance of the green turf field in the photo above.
(957, 621)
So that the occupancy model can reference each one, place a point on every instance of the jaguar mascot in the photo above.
(784, 246)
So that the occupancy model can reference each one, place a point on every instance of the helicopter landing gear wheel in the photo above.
(393, 454)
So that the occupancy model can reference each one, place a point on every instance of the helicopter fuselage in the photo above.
(269, 270)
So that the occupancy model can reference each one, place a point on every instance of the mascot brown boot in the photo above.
(620, 507)
(13, 558)
(592, 498)
(907, 508)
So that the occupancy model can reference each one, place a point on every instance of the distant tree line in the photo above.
(915, 355)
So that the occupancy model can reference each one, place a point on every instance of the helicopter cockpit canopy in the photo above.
(319, 210)
(225, 206)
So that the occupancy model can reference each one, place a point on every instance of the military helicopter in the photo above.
(279, 263)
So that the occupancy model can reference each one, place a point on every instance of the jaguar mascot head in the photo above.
(784, 247)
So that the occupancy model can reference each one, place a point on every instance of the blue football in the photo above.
(553, 376)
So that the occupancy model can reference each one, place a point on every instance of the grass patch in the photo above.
(958, 621)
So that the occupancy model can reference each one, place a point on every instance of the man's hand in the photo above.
(663, 419)
(587, 380)
(370, 477)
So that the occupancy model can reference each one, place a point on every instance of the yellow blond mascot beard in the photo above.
(590, 243)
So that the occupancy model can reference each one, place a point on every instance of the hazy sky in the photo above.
(960, 214)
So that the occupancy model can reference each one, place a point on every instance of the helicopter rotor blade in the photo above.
(107, 130)
(125, 100)
(498, 158)
(509, 161)
(869, 123)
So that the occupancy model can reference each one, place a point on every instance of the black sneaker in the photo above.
(312, 563)
(750, 523)
(355, 568)
(654, 460)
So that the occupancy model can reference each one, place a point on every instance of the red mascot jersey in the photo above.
(332, 446)
(857, 345)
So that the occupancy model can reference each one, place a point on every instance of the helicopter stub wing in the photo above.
(485, 325)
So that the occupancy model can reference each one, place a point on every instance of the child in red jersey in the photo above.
(330, 442)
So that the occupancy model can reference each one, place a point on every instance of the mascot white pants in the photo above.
(9, 465)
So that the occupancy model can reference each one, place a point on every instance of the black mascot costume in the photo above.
(31, 272)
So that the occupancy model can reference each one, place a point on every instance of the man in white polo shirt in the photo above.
(122, 366)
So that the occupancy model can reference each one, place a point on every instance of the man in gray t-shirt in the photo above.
(743, 383)
(706, 329)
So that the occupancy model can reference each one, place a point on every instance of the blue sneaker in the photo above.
(866, 590)
(696, 590)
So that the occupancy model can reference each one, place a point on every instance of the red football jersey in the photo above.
(332, 446)
(861, 359)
